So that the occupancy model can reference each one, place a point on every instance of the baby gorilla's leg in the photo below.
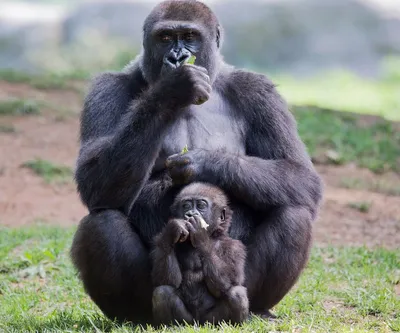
(233, 307)
(168, 306)
(238, 303)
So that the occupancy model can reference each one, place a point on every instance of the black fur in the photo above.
(243, 140)
(198, 273)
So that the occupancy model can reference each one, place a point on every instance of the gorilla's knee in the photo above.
(162, 294)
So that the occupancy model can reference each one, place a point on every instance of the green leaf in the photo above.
(192, 60)
(185, 150)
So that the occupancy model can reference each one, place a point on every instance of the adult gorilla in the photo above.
(242, 139)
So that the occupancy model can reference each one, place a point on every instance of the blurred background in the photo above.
(337, 62)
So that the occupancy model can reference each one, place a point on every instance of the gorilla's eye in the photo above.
(165, 38)
(189, 37)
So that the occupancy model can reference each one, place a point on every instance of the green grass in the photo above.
(362, 207)
(50, 172)
(18, 107)
(341, 290)
(344, 91)
(341, 137)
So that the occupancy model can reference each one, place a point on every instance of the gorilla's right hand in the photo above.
(175, 231)
(186, 85)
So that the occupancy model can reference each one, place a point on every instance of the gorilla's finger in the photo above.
(181, 175)
(204, 77)
(197, 68)
(202, 94)
(207, 87)
(177, 160)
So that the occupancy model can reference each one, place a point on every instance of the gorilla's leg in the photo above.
(276, 257)
(114, 266)
(234, 307)
(168, 306)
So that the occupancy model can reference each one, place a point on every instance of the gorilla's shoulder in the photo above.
(248, 81)
(249, 90)
(129, 78)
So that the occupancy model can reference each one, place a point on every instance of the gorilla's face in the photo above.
(174, 32)
(176, 43)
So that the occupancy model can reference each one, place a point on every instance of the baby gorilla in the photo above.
(198, 270)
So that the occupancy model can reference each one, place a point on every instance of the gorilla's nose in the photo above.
(176, 59)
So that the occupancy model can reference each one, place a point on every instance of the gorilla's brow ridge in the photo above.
(176, 26)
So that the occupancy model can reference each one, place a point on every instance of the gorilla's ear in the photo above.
(218, 35)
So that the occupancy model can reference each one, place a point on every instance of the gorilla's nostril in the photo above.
(183, 58)
(172, 60)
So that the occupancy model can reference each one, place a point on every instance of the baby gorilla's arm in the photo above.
(167, 275)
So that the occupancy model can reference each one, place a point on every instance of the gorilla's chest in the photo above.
(209, 126)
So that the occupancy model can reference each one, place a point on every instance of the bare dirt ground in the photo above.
(360, 208)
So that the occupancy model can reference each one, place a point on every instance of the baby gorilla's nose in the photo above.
(191, 213)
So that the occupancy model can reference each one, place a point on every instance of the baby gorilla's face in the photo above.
(201, 206)
(206, 201)
(195, 206)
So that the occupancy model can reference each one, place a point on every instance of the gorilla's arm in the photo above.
(276, 169)
(121, 133)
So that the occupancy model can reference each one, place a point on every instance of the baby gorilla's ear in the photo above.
(223, 214)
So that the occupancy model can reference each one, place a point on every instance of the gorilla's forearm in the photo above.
(262, 183)
(112, 169)
(166, 269)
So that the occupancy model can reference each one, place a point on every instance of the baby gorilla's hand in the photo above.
(176, 231)
(198, 234)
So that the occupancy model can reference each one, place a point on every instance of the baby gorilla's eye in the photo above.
(202, 205)
(187, 206)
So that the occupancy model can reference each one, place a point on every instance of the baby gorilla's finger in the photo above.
(189, 226)
(195, 222)
(201, 222)
(184, 235)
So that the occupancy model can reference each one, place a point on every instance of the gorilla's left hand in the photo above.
(188, 167)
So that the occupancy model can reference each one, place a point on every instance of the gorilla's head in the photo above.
(175, 30)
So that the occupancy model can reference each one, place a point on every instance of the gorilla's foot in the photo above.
(265, 314)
